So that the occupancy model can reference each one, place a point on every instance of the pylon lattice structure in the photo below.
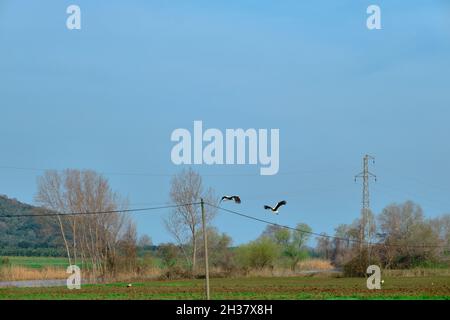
(365, 175)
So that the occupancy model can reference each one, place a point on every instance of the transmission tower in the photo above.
(365, 175)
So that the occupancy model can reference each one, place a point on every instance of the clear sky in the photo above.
(107, 97)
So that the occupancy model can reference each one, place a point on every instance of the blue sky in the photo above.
(108, 97)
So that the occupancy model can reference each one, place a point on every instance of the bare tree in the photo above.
(128, 246)
(184, 223)
(89, 238)
(144, 241)
(406, 235)
(343, 243)
(324, 246)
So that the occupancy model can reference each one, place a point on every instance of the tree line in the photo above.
(105, 244)
(400, 237)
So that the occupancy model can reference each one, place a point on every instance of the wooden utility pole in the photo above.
(205, 239)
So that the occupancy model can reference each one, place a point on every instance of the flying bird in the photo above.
(234, 198)
(275, 210)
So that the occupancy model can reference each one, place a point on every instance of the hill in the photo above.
(27, 236)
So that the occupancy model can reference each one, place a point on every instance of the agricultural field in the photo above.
(406, 284)
(38, 262)
(289, 288)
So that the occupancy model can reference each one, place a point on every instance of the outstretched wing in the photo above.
(279, 204)
(268, 208)
(226, 198)
(234, 198)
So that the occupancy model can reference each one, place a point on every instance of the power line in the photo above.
(150, 174)
(265, 221)
(412, 195)
(98, 212)
(220, 208)
(415, 179)
(322, 234)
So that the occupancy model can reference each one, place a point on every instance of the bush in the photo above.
(257, 254)
(176, 272)
(168, 253)
(357, 266)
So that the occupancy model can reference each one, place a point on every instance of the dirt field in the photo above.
(291, 288)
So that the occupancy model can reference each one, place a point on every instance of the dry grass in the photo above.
(19, 273)
(315, 264)
(305, 268)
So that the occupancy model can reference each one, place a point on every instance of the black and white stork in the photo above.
(275, 209)
(229, 198)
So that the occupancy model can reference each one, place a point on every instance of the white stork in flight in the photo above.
(234, 198)
(275, 209)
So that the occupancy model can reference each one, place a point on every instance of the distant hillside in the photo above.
(27, 236)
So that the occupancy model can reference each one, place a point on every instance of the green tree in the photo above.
(168, 252)
(296, 247)
(282, 237)
(219, 253)
(257, 254)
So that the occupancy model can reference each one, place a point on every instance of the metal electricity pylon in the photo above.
(365, 175)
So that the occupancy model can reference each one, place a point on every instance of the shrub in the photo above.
(257, 254)
(357, 266)
(176, 272)
(168, 253)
